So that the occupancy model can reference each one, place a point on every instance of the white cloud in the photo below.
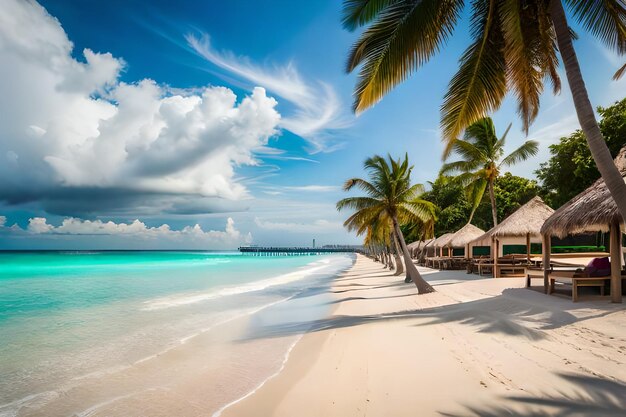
(228, 237)
(314, 188)
(317, 226)
(318, 107)
(68, 125)
(552, 132)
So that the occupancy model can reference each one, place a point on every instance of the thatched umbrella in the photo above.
(462, 237)
(592, 210)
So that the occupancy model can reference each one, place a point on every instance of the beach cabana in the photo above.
(523, 227)
(414, 247)
(441, 242)
(593, 210)
(418, 247)
(462, 238)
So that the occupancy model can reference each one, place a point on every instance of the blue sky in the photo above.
(80, 134)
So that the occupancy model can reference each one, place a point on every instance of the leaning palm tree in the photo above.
(392, 199)
(482, 157)
(379, 232)
(514, 47)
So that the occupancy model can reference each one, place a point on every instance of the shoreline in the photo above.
(475, 347)
(204, 370)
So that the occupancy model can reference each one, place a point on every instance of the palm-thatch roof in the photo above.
(590, 211)
(465, 235)
(427, 242)
(441, 241)
(526, 220)
(413, 245)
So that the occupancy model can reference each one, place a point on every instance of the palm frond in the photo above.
(499, 146)
(475, 192)
(411, 192)
(457, 167)
(468, 150)
(403, 37)
(466, 178)
(357, 203)
(606, 19)
(364, 185)
(528, 149)
(480, 84)
(356, 13)
(547, 48)
(416, 210)
(524, 67)
(619, 73)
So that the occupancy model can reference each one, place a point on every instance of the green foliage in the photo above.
(389, 197)
(512, 192)
(571, 168)
(512, 48)
(482, 157)
(453, 209)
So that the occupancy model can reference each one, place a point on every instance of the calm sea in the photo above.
(70, 320)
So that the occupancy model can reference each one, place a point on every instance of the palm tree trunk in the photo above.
(396, 253)
(584, 110)
(492, 197)
(389, 260)
(423, 287)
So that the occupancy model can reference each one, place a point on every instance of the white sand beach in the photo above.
(486, 347)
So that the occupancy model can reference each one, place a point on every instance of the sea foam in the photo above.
(186, 299)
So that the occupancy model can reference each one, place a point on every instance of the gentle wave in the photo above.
(12, 409)
(177, 301)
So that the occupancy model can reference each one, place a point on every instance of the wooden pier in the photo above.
(293, 251)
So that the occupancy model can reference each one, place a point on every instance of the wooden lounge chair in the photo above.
(576, 280)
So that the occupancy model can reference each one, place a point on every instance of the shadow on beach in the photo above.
(592, 397)
(516, 312)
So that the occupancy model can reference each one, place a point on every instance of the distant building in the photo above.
(313, 243)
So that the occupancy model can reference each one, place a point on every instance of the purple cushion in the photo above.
(598, 267)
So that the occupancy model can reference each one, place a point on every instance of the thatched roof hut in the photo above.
(518, 228)
(416, 247)
(592, 210)
(526, 220)
(465, 235)
(442, 240)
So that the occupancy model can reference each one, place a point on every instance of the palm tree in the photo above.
(514, 47)
(390, 199)
(481, 152)
(379, 233)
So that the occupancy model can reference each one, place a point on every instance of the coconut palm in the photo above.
(378, 232)
(514, 48)
(482, 157)
(392, 199)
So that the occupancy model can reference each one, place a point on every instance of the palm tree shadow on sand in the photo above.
(506, 314)
(592, 397)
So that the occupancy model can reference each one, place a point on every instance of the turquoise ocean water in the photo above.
(68, 315)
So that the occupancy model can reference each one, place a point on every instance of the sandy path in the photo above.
(475, 347)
